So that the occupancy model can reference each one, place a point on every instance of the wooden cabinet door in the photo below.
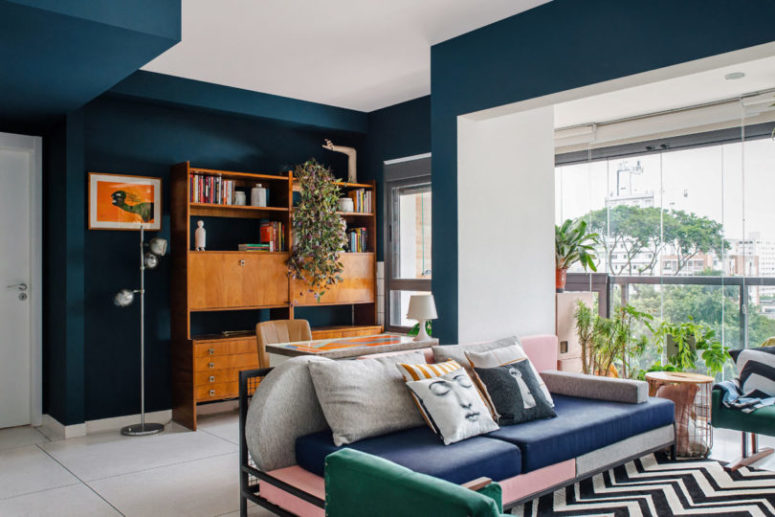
(265, 279)
(357, 285)
(222, 280)
(214, 280)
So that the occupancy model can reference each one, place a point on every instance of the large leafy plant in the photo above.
(609, 345)
(690, 341)
(319, 233)
(573, 243)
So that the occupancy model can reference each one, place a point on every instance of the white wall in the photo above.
(506, 225)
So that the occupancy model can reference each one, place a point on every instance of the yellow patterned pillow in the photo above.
(415, 372)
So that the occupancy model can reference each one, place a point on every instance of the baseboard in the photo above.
(55, 430)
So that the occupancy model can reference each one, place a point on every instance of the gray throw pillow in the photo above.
(365, 397)
(443, 353)
(515, 392)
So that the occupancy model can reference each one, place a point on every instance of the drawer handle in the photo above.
(211, 351)
(211, 365)
(242, 263)
(212, 392)
(212, 378)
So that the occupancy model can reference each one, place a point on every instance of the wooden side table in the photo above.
(691, 393)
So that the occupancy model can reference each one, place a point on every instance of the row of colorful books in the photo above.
(273, 232)
(211, 189)
(358, 241)
(363, 200)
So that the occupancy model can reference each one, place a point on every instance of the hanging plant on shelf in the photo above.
(319, 234)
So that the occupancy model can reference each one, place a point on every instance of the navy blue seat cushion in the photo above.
(420, 450)
(582, 426)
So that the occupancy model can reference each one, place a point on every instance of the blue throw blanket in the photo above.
(733, 399)
(755, 386)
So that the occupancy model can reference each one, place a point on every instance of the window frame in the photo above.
(400, 173)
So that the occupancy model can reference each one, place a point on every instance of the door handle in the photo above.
(21, 287)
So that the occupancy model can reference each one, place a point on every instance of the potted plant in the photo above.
(685, 343)
(318, 231)
(572, 243)
(609, 345)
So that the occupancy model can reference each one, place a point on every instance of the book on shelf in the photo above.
(211, 189)
(363, 200)
(273, 232)
(358, 241)
(261, 246)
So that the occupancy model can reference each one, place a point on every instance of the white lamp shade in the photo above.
(421, 307)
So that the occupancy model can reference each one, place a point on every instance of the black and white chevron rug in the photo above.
(655, 486)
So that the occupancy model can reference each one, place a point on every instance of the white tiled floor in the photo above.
(174, 473)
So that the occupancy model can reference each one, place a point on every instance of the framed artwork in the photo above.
(118, 202)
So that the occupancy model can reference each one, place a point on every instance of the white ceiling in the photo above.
(358, 54)
(659, 96)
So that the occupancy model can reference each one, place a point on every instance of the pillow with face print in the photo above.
(515, 392)
(453, 405)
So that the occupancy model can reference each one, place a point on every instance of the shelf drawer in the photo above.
(226, 362)
(246, 345)
(221, 390)
(208, 377)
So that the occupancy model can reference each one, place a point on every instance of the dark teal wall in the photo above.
(91, 361)
(395, 132)
(131, 137)
(558, 46)
(63, 272)
(56, 56)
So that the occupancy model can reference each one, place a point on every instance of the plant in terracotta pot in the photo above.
(572, 244)
(318, 231)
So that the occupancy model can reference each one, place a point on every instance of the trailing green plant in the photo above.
(573, 243)
(319, 234)
(611, 343)
(688, 341)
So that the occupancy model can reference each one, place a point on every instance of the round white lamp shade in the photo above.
(422, 308)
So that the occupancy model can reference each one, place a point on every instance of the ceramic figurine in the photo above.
(200, 236)
(351, 158)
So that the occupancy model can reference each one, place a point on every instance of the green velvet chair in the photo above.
(360, 484)
(761, 421)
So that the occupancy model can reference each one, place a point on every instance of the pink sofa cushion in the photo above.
(542, 351)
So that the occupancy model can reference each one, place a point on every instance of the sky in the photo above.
(733, 183)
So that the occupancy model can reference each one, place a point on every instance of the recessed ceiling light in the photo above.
(734, 75)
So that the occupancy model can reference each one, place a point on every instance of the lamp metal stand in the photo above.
(143, 428)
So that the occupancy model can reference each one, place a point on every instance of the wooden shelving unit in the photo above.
(206, 368)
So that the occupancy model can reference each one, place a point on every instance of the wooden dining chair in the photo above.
(279, 331)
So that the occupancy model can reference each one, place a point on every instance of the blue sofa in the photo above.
(600, 423)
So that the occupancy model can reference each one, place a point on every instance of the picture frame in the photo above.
(124, 202)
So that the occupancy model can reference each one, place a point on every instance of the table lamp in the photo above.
(421, 308)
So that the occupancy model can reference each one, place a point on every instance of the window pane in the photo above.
(412, 225)
(399, 304)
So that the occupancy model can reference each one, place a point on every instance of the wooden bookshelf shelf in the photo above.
(356, 214)
(205, 368)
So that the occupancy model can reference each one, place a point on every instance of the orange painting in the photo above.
(124, 202)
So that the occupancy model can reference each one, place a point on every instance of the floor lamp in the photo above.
(157, 247)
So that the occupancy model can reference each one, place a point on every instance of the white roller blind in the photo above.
(722, 115)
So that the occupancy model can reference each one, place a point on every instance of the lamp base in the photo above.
(422, 333)
(145, 429)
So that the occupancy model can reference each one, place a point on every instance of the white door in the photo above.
(19, 280)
